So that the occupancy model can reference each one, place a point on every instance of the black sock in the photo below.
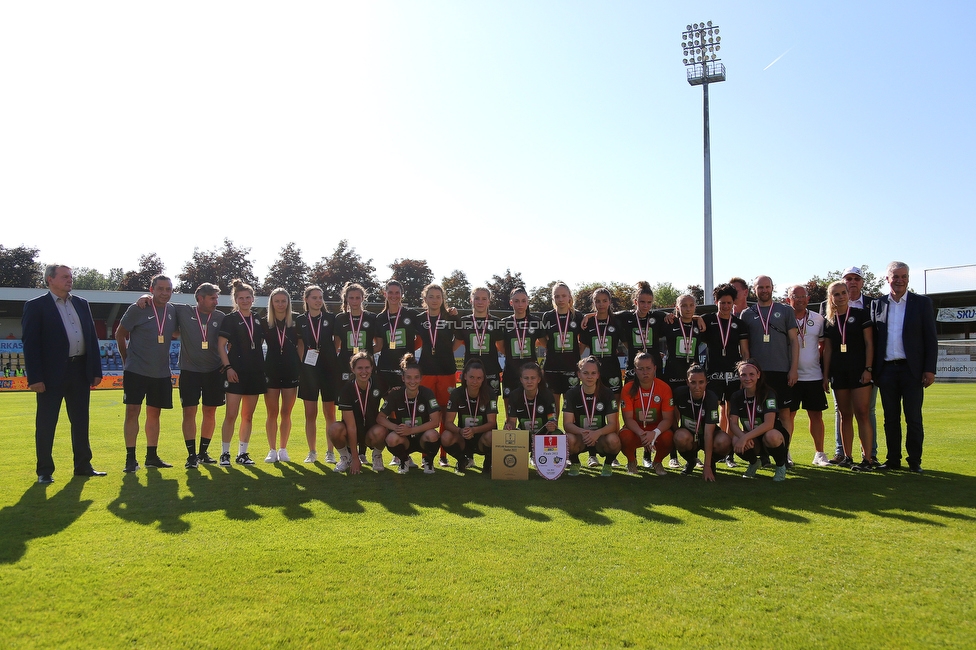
(130, 453)
(690, 457)
(204, 445)
(151, 452)
(191, 446)
(443, 453)
(401, 451)
(486, 465)
(575, 459)
(750, 456)
(608, 459)
(778, 454)
(674, 454)
(429, 449)
(456, 451)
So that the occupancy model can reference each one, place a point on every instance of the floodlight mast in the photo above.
(700, 42)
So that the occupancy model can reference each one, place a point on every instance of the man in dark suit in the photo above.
(905, 353)
(61, 355)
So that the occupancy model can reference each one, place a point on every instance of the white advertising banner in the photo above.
(956, 315)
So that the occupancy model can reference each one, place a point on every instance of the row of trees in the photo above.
(19, 267)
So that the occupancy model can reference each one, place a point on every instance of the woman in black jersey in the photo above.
(684, 342)
(437, 329)
(847, 354)
(316, 349)
(396, 334)
(532, 406)
(355, 331)
(754, 422)
(591, 418)
(601, 334)
(482, 337)
(283, 368)
(240, 350)
(359, 404)
(520, 333)
(411, 415)
(561, 332)
(472, 412)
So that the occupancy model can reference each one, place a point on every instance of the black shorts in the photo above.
(560, 381)
(248, 383)
(155, 391)
(778, 382)
(209, 384)
(282, 378)
(723, 384)
(847, 380)
(809, 395)
(316, 383)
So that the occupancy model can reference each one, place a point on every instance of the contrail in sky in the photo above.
(776, 59)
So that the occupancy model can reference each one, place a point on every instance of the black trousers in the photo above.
(899, 388)
(75, 392)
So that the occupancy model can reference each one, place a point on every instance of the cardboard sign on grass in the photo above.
(510, 455)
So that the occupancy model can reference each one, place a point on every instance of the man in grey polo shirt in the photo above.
(773, 343)
(144, 337)
(200, 375)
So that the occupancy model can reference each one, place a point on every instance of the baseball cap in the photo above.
(854, 270)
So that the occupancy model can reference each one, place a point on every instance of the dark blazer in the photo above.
(918, 334)
(46, 342)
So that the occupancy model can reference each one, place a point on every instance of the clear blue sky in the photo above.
(556, 138)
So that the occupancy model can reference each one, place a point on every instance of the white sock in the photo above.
(344, 452)
(225, 447)
(242, 448)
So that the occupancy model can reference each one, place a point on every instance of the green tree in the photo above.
(342, 266)
(19, 267)
(697, 291)
(457, 289)
(414, 275)
(665, 295)
(501, 287)
(289, 271)
(149, 266)
(91, 280)
(540, 298)
(620, 295)
(218, 266)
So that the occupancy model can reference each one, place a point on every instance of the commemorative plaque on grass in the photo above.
(510, 455)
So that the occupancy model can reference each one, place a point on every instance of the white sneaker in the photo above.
(312, 457)
(444, 462)
(615, 463)
(593, 462)
(330, 457)
(404, 468)
(272, 457)
(730, 462)
(362, 459)
(410, 463)
(820, 459)
(342, 466)
(378, 460)
(428, 468)
(395, 462)
(283, 456)
(674, 464)
(648, 461)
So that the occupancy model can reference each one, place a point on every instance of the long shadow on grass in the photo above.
(36, 516)
(293, 489)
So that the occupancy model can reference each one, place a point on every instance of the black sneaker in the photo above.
(863, 466)
(847, 463)
(205, 459)
(131, 466)
(156, 461)
(689, 468)
(225, 459)
(191, 462)
(244, 459)
(461, 466)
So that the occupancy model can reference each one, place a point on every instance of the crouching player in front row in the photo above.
(411, 417)
(472, 414)
(532, 406)
(698, 413)
(590, 418)
(754, 422)
(359, 402)
(648, 415)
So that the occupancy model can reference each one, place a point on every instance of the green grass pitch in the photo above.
(296, 555)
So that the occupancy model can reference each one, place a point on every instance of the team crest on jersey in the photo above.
(652, 320)
(572, 324)
(810, 322)
(421, 408)
(540, 409)
(657, 399)
(735, 326)
(611, 329)
(549, 453)
(850, 320)
(365, 323)
(406, 321)
(376, 392)
(776, 314)
(599, 406)
(325, 322)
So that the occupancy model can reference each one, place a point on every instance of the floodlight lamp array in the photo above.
(700, 43)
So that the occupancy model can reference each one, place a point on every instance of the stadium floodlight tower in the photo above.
(700, 43)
